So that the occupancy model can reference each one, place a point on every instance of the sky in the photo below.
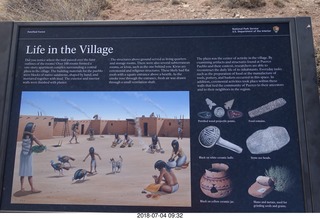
(107, 105)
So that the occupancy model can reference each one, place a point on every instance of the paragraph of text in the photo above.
(236, 73)
(59, 71)
(147, 70)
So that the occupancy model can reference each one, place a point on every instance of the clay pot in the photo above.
(215, 182)
(172, 163)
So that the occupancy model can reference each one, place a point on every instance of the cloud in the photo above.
(34, 106)
(145, 98)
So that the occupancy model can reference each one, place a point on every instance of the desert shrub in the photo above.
(174, 2)
(211, 2)
(36, 10)
(246, 3)
(143, 1)
(282, 177)
(279, 3)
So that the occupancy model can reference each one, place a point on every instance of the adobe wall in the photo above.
(104, 127)
(96, 126)
(186, 128)
(44, 126)
(83, 128)
(116, 126)
(148, 126)
(47, 128)
(169, 128)
(131, 127)
(162, 127)
(61, 129)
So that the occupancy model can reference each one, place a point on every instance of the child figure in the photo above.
(93, 163)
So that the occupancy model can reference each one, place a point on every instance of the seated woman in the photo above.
(167, 176)
(127, 141)
(155, 146)
(117, 140)
(177, 152)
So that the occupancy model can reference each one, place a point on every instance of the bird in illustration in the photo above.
(65, 159)
(58, 167)
(80, 174)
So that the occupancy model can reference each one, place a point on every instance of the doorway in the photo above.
(145, 129)
(82, 129)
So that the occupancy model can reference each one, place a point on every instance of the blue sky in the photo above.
(108, 105)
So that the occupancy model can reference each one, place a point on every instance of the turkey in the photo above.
(65, 159)
(58, 167)
(80, 174)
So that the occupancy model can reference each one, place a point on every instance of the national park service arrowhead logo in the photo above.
(276, 29)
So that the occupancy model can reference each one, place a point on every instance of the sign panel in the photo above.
(179, 116)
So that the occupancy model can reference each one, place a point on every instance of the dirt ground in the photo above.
(208, 9)
(104, 188)
(212, 9)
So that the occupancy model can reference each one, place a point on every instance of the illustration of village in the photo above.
(137, 161)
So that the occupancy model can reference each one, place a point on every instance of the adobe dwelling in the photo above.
(48, 127)
(44, 126)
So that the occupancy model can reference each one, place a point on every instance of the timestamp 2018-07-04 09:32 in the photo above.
(159, 215)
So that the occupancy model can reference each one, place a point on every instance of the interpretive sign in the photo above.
(159, 116)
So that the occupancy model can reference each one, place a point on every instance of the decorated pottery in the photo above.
(216, 182)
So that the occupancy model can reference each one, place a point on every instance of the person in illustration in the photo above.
(26, 163)
(117, 140)
(127, 141)
(155, 145)
(166, 177)
(91, 134)
(75, 132)
(178, 152)
(180, 132)
(93, 163)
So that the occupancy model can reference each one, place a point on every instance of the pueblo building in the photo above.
(48, 127)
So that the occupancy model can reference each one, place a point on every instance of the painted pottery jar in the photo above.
(216, 182)
(172, 163)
